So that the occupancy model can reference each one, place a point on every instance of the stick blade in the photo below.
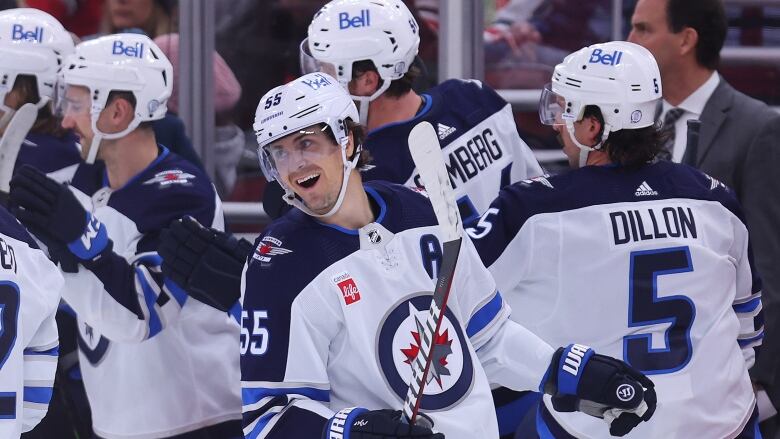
(429, 160)
(14, 135)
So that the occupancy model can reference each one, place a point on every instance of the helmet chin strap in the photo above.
(99, 136)
(364, 101)
(585, 150)
(292, 199)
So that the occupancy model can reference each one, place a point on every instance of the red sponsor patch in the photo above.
(349, 291)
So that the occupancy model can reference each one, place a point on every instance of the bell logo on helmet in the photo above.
(19, 34)
(363, 20)
(609, 59)
(317, 81)
(135, 51)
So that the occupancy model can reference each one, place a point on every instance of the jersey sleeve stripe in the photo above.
(749, 306)
(486, 314)
(747, 299)
(39, 395)
(253, 430)
(751, 341)
(253, 395)
(55, 351)
(150, 299)
(176, 291)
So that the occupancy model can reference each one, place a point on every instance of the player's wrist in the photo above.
(93, 240)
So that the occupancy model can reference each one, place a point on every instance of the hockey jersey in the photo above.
(331, 317)
(651, 266)
(155, 363)
(29, 294)
(478, 136)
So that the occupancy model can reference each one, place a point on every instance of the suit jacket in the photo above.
(739, 144)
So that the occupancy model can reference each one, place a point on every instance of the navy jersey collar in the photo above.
(160, 157)
(420, 114)
(382, 211)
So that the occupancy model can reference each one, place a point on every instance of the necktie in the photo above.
(670, 119)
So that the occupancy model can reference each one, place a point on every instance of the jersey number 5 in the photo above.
(645, 308)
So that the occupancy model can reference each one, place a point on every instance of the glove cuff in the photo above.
(92, 242)
(566, 369)
(340, 424)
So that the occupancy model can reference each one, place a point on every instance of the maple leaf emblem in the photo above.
(442, 348)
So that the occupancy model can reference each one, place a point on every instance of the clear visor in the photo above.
(295, 151)
(310, 64)
(552, 108)
(71, 100)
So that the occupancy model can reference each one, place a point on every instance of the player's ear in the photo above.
(593, 127)
(365, 84)
(350, 145)
(120, 113)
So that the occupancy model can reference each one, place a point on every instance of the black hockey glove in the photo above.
(206, 263)
(581, 380)
(360, 423)
(42, 204)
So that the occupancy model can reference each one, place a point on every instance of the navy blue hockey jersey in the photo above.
(478, 136)
(648, 265)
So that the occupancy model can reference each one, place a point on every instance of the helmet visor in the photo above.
(72, 100)
(310, 64)
(295, 150)
(553, 108)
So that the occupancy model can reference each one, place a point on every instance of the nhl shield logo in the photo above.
(451, 374)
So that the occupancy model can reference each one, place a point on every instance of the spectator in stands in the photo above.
(739, 144)
(82, 17)
(153, 17)
(230, 140)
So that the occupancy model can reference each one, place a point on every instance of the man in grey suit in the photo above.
(739, 144)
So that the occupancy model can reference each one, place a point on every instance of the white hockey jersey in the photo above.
(155, 363)
(29, 294)
(651, 266)
(330, 321)
(478, 137)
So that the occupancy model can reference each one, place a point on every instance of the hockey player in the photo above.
(155, 363)
(644, 261)
(33, 46)
(29, 295)
(333, 289)
(370, 47)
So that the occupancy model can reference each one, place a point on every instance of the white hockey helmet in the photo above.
(121, 62)
(620, 78)
(33, 43)
(345, 31)
(312, 99)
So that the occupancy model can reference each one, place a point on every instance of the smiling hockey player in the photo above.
(335, 288)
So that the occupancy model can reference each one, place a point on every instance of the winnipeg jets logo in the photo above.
(442, 348)
(171, 177)
(451, 373)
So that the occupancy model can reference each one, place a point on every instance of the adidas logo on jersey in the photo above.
(444, 131)
(644, 190)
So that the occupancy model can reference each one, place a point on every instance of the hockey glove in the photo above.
(581, 380)
(360, 423)
(42, 204)
(206, 263)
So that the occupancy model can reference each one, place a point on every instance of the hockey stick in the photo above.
(427, 156)
(14, 135)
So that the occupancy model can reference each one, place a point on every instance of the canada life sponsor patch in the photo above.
(268, 247)
(171, 177)
(347, 287)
